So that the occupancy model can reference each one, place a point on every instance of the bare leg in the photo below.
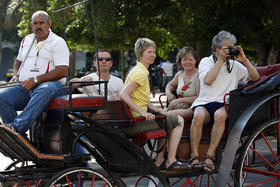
(201, 116)
(173, 141)
(187, 114)
(216, 132)
(160, 156)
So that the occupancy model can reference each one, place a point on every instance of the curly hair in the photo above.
(186, 51)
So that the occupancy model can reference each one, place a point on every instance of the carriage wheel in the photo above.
(21, 183)
(16, 164)
(79, 177)
(259, 160)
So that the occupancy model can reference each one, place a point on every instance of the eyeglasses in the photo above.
(107, 59)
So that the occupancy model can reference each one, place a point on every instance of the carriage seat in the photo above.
(118, 113)
(78, 101)
(269, 80)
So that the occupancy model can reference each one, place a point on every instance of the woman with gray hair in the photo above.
(136, 94)
(219, 74)
(185, 83)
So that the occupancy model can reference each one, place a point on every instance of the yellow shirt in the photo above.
(140, 96)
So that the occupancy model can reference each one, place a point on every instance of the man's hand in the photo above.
(28, 84)
(224, 54)
(86, 79)
(241, 57)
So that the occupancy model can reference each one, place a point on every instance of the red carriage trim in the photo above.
(48, 68)
(264, 72)
(23, 40)
(118, 112)
(148, 135)
(78, 100)
(152, 134)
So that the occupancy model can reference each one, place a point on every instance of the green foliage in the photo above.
(170, 23)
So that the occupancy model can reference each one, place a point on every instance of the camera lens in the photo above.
(233, 51)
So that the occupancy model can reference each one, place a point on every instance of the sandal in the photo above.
(197, 165)
(211, 167)
(178, 166)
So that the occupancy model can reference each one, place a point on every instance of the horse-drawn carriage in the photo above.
(250, 146)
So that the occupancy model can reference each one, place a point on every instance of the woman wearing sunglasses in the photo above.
(186, 84)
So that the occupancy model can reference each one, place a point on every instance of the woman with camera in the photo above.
(219, 74)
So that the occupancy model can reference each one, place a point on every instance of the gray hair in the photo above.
(186, 51)
(41, 13)
(218, 40)
(141, 45)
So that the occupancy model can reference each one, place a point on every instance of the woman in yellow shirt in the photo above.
(136, 94)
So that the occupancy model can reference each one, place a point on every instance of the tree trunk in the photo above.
(0, 50)
(122, 64)
(72, 65)
(262, 52)
(272, 55)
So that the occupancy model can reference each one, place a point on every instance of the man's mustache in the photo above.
(39, 30)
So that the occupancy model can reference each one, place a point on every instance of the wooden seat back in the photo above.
(14, 146)
(118, 113)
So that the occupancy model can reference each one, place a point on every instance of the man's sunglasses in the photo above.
(107, 59)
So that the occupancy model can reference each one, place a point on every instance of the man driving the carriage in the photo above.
(219, 74)
(41, 67)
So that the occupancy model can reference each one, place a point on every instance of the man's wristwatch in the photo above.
(35, 80)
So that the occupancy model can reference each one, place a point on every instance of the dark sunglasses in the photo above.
(107, 59)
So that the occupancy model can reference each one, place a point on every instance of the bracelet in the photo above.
(35, 80)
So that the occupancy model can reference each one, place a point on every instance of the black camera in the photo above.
(233, 51)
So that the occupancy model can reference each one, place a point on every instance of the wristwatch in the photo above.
(36, 80)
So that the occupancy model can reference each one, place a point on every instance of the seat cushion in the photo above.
(78, 100)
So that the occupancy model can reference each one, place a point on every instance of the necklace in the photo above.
(37, 54)
(186, 83)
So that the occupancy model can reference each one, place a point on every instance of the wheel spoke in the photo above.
(270, 148)
(258, 161)
(262, 157)
(68, 181)
(261, 172)
(261, 182)
(93, 180)
(79, 177)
